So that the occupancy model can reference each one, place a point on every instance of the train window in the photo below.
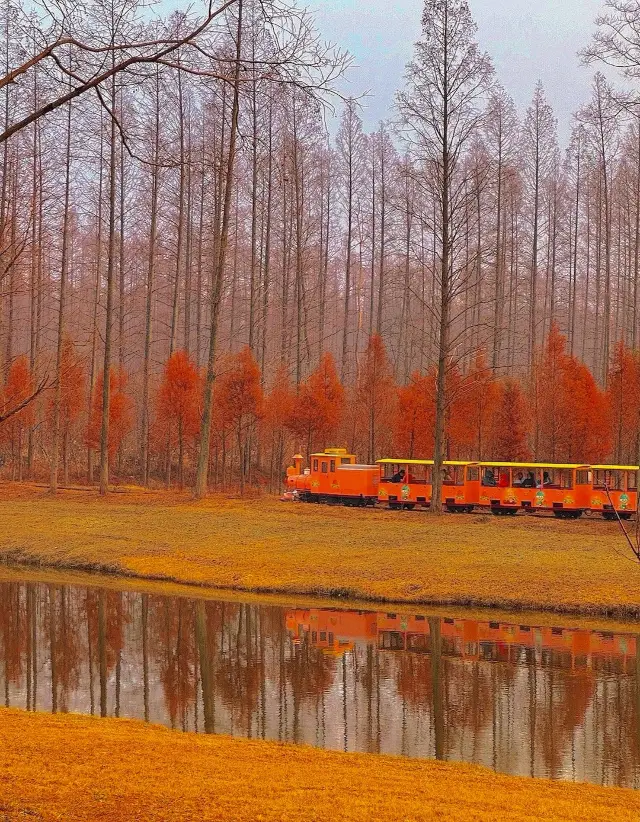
(454, 475)
(330, 637)
(346, 460)
(323, 636)
(632, 481)
(603, 479)
(566, 478)
(314, 637)
(583, 477)
(315, 465)
(333, 466)
(325, 467)
(473, 474)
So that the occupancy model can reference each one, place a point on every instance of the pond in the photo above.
(521, 698)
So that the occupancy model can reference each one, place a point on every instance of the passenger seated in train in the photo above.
(489, 477)
(546, 479)
(529, 481)
(398, 476)
(519, 479)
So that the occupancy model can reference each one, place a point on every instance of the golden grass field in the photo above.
(85, 769)
(263, 545)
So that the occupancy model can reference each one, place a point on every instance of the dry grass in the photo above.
(80, 769)
(266, 546)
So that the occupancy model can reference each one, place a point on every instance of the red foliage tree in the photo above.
(570, 413)
(120, 412)
(178, 408)
(510, 424)
(473, 410)
(277, 409)
(240, 397)
(374, 400)
(72, 379)
(623, 399)
(17, 389)
(414, 421)
(319, 406)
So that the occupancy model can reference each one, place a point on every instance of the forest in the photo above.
(176, 214)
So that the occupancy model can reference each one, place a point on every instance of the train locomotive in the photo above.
(567, 490)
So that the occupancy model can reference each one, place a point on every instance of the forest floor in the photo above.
(77, 768)
(266, 546)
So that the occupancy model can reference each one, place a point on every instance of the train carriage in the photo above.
(409, 483)
(508, 487)
(612, 490)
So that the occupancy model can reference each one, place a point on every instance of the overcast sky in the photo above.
(527, 39)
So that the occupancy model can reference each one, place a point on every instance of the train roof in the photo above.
(531, 465)
(394, 461)
(615, 467)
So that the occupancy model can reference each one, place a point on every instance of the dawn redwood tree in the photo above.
(374, 397)
(240, 396)
(70, 400)
(511, 423)
(350, 144)
(475, 408)
(120, 412)
(441, 107)
(17, 390)
(414, 421)
(318, 408)
(276, 411)
(540, 153)
(178, 408)
(623, 397)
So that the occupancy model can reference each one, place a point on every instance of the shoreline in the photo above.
(342, 596)
(265, 548)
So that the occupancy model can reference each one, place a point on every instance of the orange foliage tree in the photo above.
(473, 409)
(178, 408)
(17, 389)
(276, 411)
(414, 421)
(240, 397)
(374, 400)
(570, 413)
(72, 379)
(510, 424)
(623, 398)
(319, 406)
(120, 412)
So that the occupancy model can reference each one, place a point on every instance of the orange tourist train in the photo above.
(334, 631)
(567, 490)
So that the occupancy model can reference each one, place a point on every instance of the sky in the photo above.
(527, 40)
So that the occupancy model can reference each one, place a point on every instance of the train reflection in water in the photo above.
(336, 631)
(520, 698)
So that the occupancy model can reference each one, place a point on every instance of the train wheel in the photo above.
(409, 506)
(395, 506)
(609, 515)
(626, 516)
(560, 514)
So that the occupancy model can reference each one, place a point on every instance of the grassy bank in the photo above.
(81, 769)
(267, 546)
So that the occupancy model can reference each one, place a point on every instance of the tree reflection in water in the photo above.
(523, 699)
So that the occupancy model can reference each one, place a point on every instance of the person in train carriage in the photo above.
(519, 480)
(529, 481)
(398, 476)
(503, 480)
(489, 477)
(546, 479)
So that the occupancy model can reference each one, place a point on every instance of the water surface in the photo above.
(520, 698)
